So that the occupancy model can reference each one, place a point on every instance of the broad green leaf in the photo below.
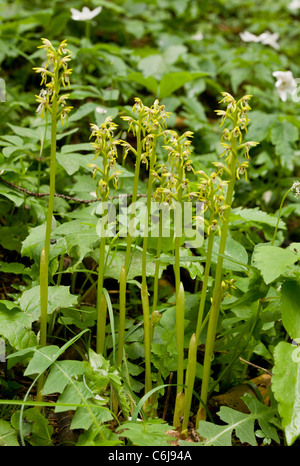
(260, 125)
(13, 267)
(58, 377)
(33, 243)
(69, 148)
(286, 388)
(83, 111)
(41, 360)
(8, 435)
(82, 418)
(283, 135)
(257, 216)
(15, 325)
(290, 308)
(58, 297)
(153, 66)
(235, 256)
(75, 393)
(149, 82)
(273, 261)
(36, 427)
(11, 194)
(71, 162)
(146, 433)
(170, 82)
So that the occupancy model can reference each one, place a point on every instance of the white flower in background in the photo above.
(86, 14)
(285, 84)
(294, 5)
(198, 36)
(101, 110)
(247, 36)
(267, 38)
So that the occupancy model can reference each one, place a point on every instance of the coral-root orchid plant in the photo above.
(55, 78)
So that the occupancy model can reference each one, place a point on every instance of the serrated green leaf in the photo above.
(273, 261)
(218, 436)
(240, 423)
(283, 135)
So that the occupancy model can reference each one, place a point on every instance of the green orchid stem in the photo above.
(44, 263)
(210, 244)
(101, 301)
(156, 272)
(147, 336)
(180, 310)
(217, 295)
(189, 381)
(279, 214)
(122, 316)
(144, 288)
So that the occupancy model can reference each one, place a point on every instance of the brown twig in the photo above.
(63, 196)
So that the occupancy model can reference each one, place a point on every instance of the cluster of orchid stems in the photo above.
(106, 147)
(169, 184)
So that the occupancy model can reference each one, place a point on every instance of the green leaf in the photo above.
(240, 423)
(33, 243)
(146, 433)
(283, 135)
(286, 388)
(257, 216)
(218, 436)
(8, 435)
(36, 427)
(149, 82)
(82, 418)
(83, 111)
(55, 381)
(41, 360)
(235, 256)
(58, 297)
(13, 267)
(15, 325)
(260, 125)
(170, 82)
(273, 261)
(290, 308)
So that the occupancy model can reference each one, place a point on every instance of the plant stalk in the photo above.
(217, 295)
